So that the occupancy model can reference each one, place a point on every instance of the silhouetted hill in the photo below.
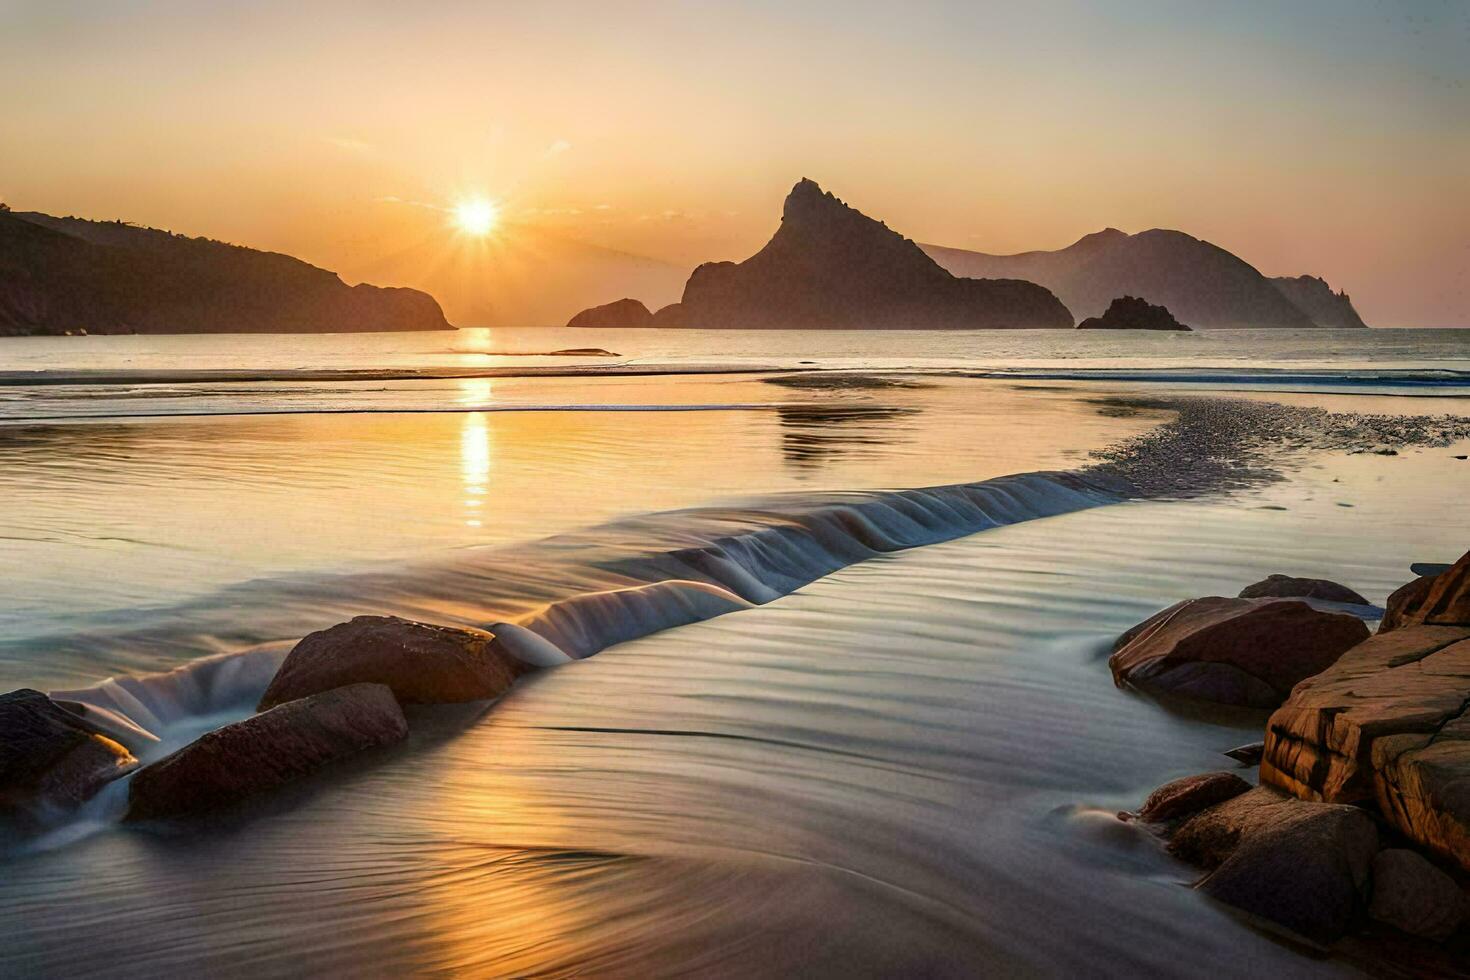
(1201, 283)
(1316, 299)
(830, 266)
(70, 274)
(619, 313)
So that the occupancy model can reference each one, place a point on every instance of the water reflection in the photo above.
(476, 452)
(813, 434)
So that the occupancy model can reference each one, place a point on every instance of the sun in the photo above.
(476, 216)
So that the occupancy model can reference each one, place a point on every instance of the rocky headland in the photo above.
(829, 266)
(70, 275)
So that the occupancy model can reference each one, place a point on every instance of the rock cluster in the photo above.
(1132, 313)
(1364, 761)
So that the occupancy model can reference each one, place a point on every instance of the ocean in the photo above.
(831, 612)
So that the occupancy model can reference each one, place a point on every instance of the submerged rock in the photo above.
(1286, 586)
(265, 751)
(422, 664)
(1132, 313)
(619, 313)
(1245, 652)
(1388, 722)
(1414, 896)
(50, 757)
(1302, 866)
(1435, 600)
(1188, 795)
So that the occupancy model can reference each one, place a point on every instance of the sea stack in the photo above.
(831, 267)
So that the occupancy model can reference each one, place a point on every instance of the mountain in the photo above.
(1316, 299)
(830, 266)
(1200, 283)
(59, 275)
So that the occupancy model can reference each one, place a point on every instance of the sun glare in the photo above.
(476, 216)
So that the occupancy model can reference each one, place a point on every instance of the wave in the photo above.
(596, 590)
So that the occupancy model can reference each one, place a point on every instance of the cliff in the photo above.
(1316, 299)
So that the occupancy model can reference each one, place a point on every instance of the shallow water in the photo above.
(907, 766)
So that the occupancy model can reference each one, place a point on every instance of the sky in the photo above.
(625, 142)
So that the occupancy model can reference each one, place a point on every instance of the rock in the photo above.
(619, 313)
(1388, 722)
(1248, 754)
(1302, 866)
(670, 316)
(423, 664)
(1244, 652)
(50, 757)
(830, 266)
(1414, 896)
(1183, 797)
(1132, 313)
(1438, 600)
(266, 751)
(1285, 586)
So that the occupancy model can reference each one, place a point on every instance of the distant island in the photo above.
(1200, 282)
(829, 266)
(71, 275)
(1133, 313)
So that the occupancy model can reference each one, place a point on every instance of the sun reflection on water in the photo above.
(476, 452)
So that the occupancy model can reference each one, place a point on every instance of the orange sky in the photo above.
(1323, 137)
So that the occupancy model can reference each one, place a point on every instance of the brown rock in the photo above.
(1414, 896)
(1435, 600)
(1285, 586)
(1183, 797)
(1302, 866)
(50, 756)
(423, 664)
(265, 751)
(1233, 651)
(1386, 723)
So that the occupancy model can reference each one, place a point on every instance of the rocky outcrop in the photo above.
(49, 757)
(1285, 586)
(232, 764)
(1414, 896)
(1204, 285)
(830, 266)
(1132, 313)
(1186, 796)
(619, 313)
(1438, 600)
(1245, 652)
(1316, 299)
(422, 664)
(68, 274)
(1302, 866)
(1387, 723)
